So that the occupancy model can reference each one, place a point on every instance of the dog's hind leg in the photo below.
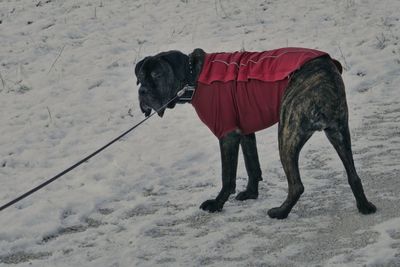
(291, 140)
(229, 146)
(339, 137)
(248, 144)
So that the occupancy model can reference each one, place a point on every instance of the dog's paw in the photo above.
(247, 195)
(277, 213)
(232, 190)
(211, 205)
(366, 208)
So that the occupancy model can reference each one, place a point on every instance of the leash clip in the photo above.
(186, 94)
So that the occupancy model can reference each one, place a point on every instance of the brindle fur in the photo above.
(314, 100)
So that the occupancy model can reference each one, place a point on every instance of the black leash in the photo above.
(179, 94)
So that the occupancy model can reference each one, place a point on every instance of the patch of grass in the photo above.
(22, 256)
(22, 89)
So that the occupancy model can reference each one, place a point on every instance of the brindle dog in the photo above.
(314, 100)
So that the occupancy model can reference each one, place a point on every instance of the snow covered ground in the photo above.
(67, 87)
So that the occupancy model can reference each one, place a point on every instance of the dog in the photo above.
(307, 97)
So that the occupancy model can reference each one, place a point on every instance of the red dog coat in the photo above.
(243, 90)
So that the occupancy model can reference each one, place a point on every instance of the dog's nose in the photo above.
(142, 91)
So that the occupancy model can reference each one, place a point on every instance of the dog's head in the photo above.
(160, 78)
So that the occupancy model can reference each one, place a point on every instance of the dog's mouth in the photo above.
(161, 112)
(146, 109)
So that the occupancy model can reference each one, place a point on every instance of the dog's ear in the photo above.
(338, 65)
(178, 62)
(138, 67)
(196, 59)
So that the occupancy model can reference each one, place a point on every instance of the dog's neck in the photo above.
(194, 66)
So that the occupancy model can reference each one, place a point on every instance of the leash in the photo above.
(33, 190)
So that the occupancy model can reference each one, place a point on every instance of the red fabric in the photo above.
(243, 90)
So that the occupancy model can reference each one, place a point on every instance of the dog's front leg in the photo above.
(252, 163)
(229, 146)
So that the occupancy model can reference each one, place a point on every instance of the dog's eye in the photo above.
(155, 75)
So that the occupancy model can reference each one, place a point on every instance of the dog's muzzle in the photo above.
(145, 109)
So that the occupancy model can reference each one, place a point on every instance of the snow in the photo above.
(67, 87)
